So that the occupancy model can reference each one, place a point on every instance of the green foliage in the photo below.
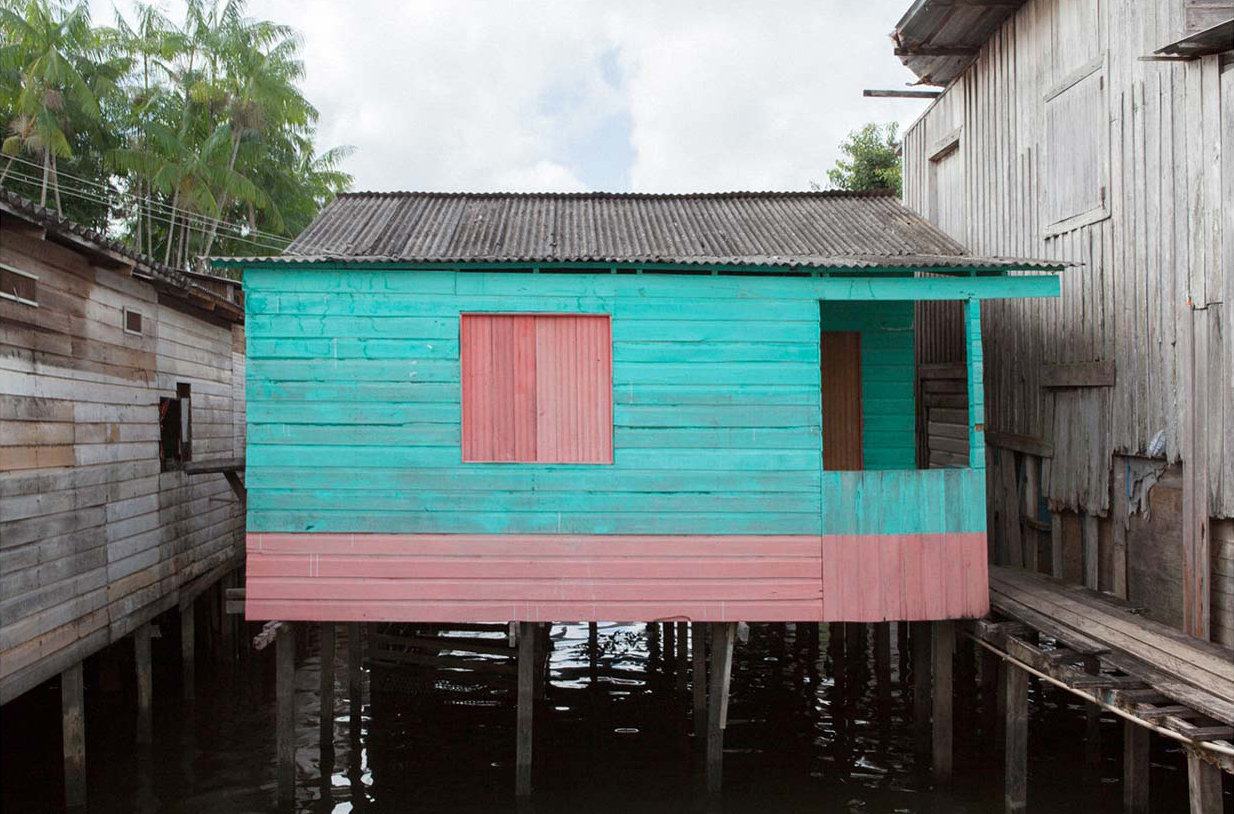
(872, 161)
(187, 139)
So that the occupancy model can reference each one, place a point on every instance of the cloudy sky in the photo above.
(590, 95)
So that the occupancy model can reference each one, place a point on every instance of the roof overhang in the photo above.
(938, 39)
(1216, 39)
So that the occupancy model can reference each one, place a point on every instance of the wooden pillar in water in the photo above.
(73, 721)
(698, 643)
(669, 639)
(1136, 742)
(944, 649)
(285, 716)
(921, 688)
(723, 635)
(1204, 785)
(1092, 728)
(1015, 782)
(526, 700)
(328, 641)
(145, 683)
(188, 642)
(355, 676)
(683, 657)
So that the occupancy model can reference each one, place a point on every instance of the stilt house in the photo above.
(1101, 131)
(118, 375)
(610, 407)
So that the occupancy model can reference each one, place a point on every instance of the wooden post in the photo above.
(285, 716)
(188, 659)
(921, 688)
(328, 641)
(669, 646)
(1092, 723)
(1015, 782)
(355, 675)
(1118, 514)
(989, 693)
(593, 653)
(683, 657)
(944, 649)
(1136, 741)
(723, 635)
(1091, 552)
(882, 662)
(526, 692)
(1032, 480)
(226, 622)
(1204, 784)
(145, 684)
(1056, 545)
(73, 720)
(699, 644)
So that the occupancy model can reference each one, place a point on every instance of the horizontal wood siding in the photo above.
(393, 577)
(94, 539)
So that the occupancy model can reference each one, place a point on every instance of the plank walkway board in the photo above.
(1193, 672)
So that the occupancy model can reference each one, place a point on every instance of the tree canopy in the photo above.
(186, 138)
(872, 160)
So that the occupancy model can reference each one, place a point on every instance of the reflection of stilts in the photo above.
(723, 635)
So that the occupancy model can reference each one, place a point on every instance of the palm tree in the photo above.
(59, 48)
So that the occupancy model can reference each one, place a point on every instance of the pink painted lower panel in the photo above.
(497, 578)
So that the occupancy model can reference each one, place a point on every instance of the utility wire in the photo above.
(161, 218)
(155, 202)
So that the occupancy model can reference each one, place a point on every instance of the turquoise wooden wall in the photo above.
(353, 409)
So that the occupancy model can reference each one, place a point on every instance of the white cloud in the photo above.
(564, 95)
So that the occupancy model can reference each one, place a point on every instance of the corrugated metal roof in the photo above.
(752, 229)
(82, 237)
(938, 39)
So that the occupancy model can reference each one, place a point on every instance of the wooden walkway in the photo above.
(1157, 678)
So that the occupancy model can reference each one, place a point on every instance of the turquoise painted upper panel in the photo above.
(354, 408)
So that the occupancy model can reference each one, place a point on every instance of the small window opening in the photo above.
(18, 286)
(132, 321)
(176, 429)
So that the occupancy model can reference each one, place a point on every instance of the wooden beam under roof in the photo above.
(901, 94)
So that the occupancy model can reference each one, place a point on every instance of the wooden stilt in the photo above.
(698, 642)
(922, 648)
(1032, 479)
(902, 647)
(593, 652)
(683, 657)
(1092, 724)
(990, 684)
(944, 649)
(670, 642)
(355, 686)
(1136, 741)
(1015, 782)
(145, 684)
(73, 717)
(526, 691)
(723, 635)
(328, 641)
(188, 642)
(1204, 784)
(285, 717)
(882, 653)
(226, 622)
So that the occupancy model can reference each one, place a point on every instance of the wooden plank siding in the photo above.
(358, 487)
(94, 539)
(1158, 255)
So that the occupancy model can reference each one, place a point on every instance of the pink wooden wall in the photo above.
(536, 388)
(496, 578)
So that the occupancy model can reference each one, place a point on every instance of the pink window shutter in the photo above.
(537, 388)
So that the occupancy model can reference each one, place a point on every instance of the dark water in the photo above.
(810, 730)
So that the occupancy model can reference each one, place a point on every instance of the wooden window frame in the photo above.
(1100, 212)
(19, 273)
(140, 319)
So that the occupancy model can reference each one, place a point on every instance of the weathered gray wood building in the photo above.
(116, 373)
(1102, 132)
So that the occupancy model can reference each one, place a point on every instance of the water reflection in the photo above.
(820, 720)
